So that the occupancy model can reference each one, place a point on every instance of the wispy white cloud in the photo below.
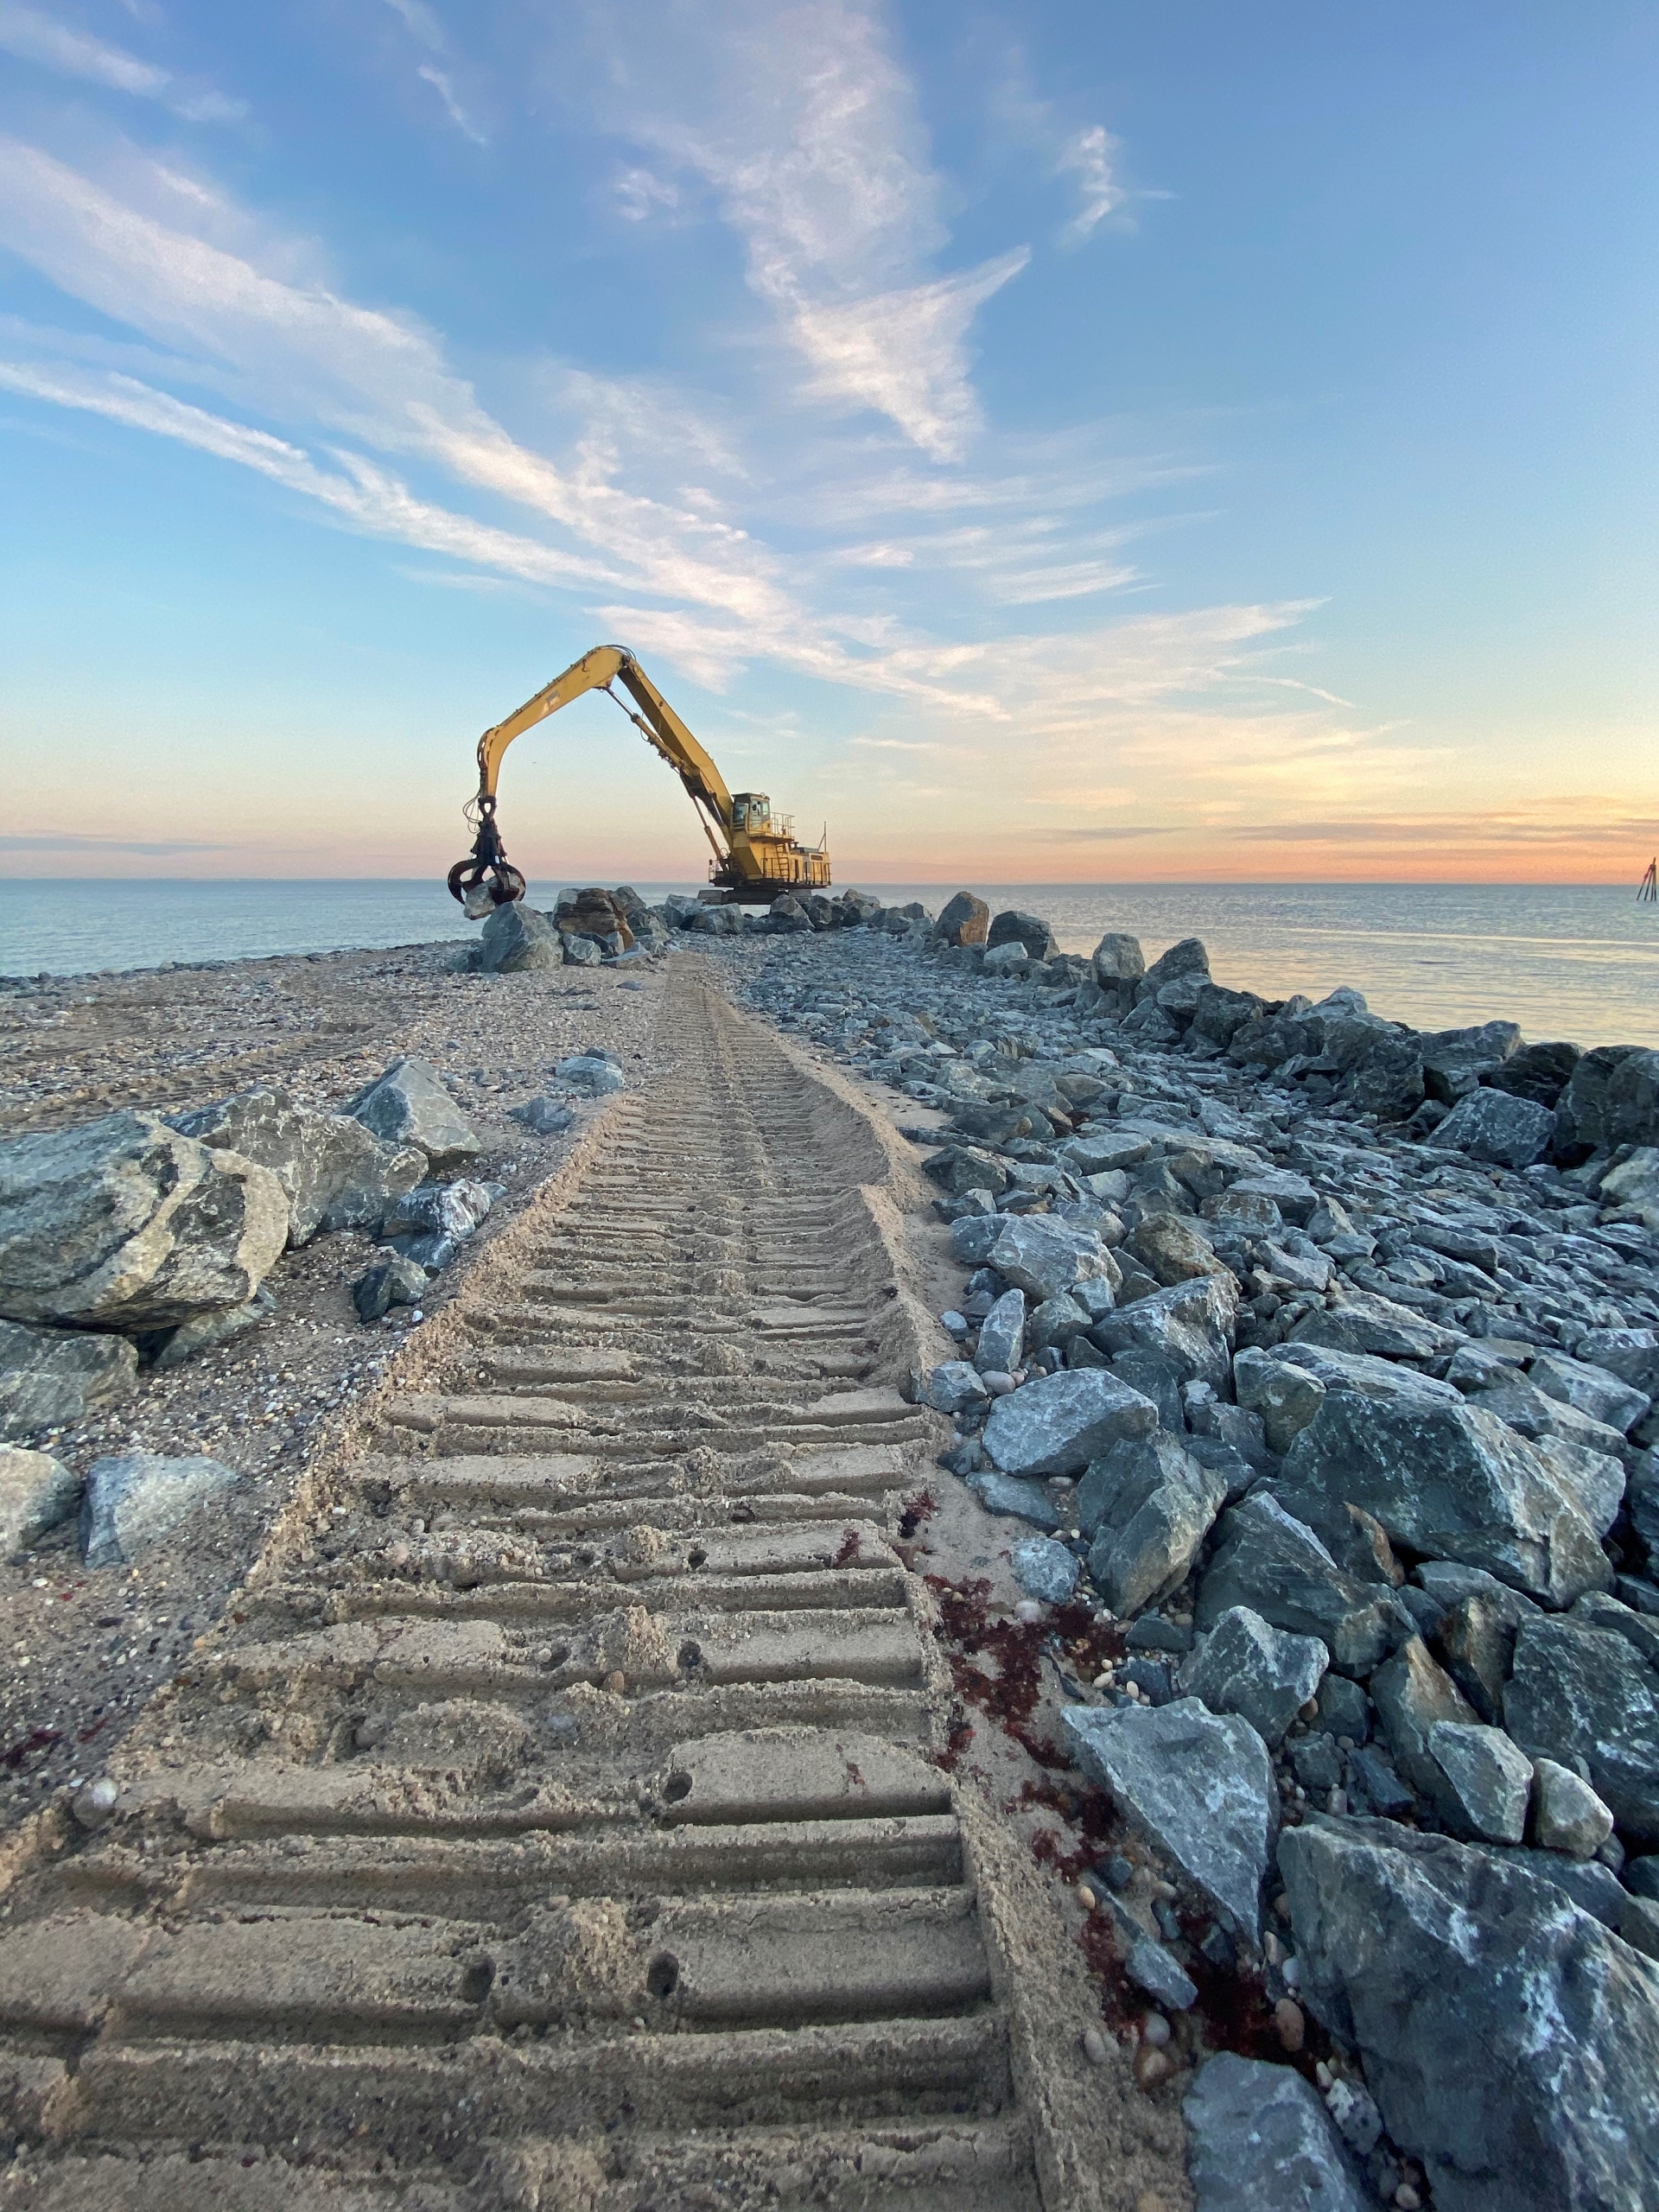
(1087, 155)
(425, 27)
(803, 127)
(70, 52)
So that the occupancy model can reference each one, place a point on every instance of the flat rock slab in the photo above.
(1058, 1424)
(135, 1499)
(1260, 2140)
(1511, 2040)
(1200, 1783)
(52, 1378)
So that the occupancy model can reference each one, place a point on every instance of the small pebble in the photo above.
(1154, 2030)
(95, 1803)
(1322, 2074)
(1292, 1971)
(616, 1683)
(1086, 1896)
(1291, 2026)
(1152, 2066)
(1407, 2198)
(1027, 1609)
(1094, 2046)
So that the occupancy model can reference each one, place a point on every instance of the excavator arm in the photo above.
(487, 876)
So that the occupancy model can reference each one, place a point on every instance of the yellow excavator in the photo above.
(756, 855)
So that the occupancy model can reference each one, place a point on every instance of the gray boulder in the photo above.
(1199, 1783)
(963, 920)
(1537, 1072)
(1045, 1570)
(1020, 1501)
(1578, 1693)
(1450, 1482)
(1595, 1391)
(1249, 1667)
(1456, 1060)
(1148, 1505)
(789, 918)
(398, 1280)
(123, 1223)
(135, 1499)
(953, 1385)
(452, 1209)
(595, 1075)
(1566, 1814)
(1387, 1081)
(1496, 1127)
(1286, 1397)
(517, 938)
(1118, 964)
(1191, 1324)
(1175, 1251)
(1003, 1335)
(409, 1105)
(1027, 930)
(1488, 1781)
(335, 1173)
(1276, 1567)
(1585, 1113)
(1260, 2140)
(1382, 1379)
(1359, 1321)
(1185, 961)
(1634, 1183)
(1057, 1424)
(37, 1493)
(544, 1116)
(578, 951)
(1045, 1257)
(172, 1347)
(1512, 2042)
(52, 1378)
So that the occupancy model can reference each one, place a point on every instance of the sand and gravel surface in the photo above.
(82, 1650)
(399, 1834)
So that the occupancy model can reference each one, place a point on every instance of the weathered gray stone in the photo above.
(1382, 1379)
(172, 1347)
(1488, 1778)
(1118, 960)
(133, 1500)
(1355, 1539)
(1585, 1115)
(1634, 1183)
(1456, 1060)
(1537, 1072)
(587, 952)
(1045, 1257)
(1511, 2042)
(1411, 1693)
(963, 920)
(1217, 1014)
(409, 1105)
(1566, 1814)
(1003, 1335)
(1058, 1323)
(37, 1493)
(1597, 1391)
(1475, 1644)
(1278, 1568)
(1154, 1969)
(1021, 1501)
(1249, 1667)
(1260, 2140)
(517, 938)
(544, 1116)
(1191, 1324)
(1495, 1126)
(1045, 1569)
(399, 1280)
(1185, 959)
(52, 1378)
(1286, 1397)
(1149, 1504)
(1028, 931)
(1387, 1081)
(1199, 1783)
(1582, 1693)
(595, 1075)
(335, 1173)
(452, 1209)
(1450, 1482)
(123, 1223)
(954, 1386)
(1359, 1321)
(1172, 1251)
(1057, 1424)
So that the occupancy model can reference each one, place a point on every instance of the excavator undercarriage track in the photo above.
(557, 1823)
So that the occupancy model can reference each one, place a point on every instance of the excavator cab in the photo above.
(750, 811)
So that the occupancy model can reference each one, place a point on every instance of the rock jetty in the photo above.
(1322, 1355)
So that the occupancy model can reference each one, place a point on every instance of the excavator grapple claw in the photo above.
(486, 879)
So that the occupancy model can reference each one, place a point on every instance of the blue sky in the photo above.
(1081, 444)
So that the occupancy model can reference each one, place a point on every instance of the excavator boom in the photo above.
(751, 858)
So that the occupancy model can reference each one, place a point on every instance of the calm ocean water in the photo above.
(1573, 961)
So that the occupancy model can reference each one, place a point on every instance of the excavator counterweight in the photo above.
(756, 854)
